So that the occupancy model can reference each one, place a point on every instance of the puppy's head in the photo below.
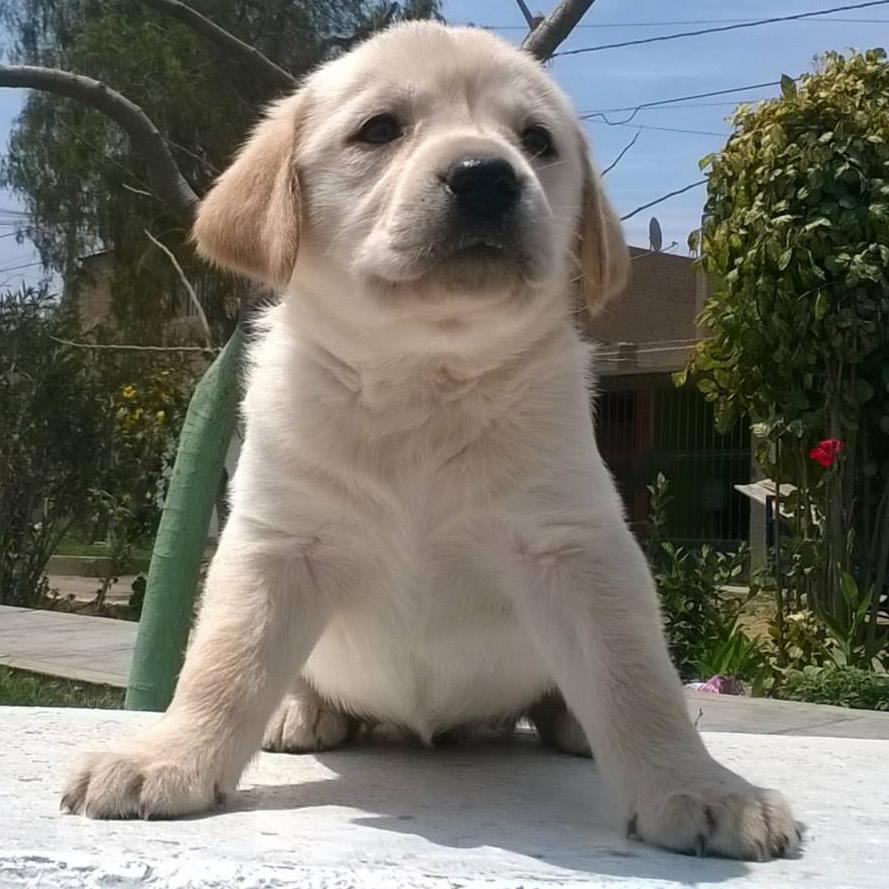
(434, 176)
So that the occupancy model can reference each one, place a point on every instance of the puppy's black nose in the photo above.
(484, 188)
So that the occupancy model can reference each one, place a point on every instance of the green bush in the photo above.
(86, 440)
(700, 614)
(833, 684)
(52, 418)
(796, 242)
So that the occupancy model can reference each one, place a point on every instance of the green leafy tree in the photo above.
(796, 240)
(85, 187)
(53, 417)
(145, 401)
(83, 447)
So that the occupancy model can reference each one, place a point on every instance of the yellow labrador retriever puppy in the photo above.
(422, 531)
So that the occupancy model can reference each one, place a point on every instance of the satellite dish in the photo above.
(655, 235)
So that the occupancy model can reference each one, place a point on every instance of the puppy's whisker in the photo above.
(551, 164)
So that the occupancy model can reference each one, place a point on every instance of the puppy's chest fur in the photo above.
(411, 495)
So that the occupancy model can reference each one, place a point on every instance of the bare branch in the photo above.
(275, 76)
(192, 296)
(543, 41)
(115, 347)
(620, 156)
(166, 180)
(532, 20)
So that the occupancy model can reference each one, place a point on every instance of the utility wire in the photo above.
(643, 126)
(620, 156)
(751, 24)
(597, 112)
(663, 197)
(18, 268)
(675, 24)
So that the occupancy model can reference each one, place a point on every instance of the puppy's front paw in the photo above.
(722, 815)
(141, 783)
(304, 723)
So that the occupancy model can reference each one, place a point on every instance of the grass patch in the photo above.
(72, 546)
(23, 689)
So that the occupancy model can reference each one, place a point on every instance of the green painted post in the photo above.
(182, 533)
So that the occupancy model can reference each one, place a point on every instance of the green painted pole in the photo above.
(182, 533)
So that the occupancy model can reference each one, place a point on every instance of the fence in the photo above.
(645, 425)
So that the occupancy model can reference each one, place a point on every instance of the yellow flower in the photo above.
(160, 416)
(128, 392)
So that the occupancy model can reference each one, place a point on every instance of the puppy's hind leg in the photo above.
(305, 723)
(557, 726)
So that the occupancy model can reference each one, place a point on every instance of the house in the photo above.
(645, 425)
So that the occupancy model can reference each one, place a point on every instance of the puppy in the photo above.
(422, 532)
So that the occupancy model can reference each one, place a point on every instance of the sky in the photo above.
(671, 139)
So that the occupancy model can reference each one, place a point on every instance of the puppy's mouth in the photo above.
(478, 250)
(478, 266)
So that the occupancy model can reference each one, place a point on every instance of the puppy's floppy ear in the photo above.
(602, 252)
(250, 219)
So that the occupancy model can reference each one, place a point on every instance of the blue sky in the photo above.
(661, 160)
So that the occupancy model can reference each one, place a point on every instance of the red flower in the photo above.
(825, 452)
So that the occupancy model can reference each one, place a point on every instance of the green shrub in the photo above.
(833, 684)
(796, 242)
(700, 614)
(51, 417)
(737, 656)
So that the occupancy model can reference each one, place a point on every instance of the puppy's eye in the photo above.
(537, 141)
(379, 130)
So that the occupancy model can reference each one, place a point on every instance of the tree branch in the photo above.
(275, 76)
(545, 39)
(532, 20)
(190, 291)
(166, 180)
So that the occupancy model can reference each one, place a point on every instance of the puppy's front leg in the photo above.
(261, 616)
(585, 593)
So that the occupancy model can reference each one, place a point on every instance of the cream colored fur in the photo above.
(422, 531)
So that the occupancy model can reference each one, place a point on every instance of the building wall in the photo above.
(93, 292)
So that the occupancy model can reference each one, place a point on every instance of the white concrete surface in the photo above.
(492, 816)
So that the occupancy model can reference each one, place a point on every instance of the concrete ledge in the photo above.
(75, 646)
(493, 816)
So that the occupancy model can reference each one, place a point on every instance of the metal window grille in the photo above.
(645, 425)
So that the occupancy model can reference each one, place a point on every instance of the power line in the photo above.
(751, 24)
(642, 126)
(674, 24)
(620, 156)
(18, 268)
(663, 197)
(658, 102)
(732, 104)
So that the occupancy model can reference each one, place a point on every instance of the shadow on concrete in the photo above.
(515, 796)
